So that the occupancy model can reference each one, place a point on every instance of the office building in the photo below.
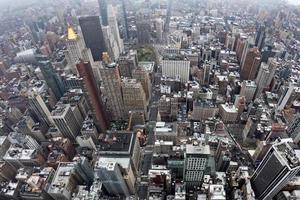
(285, 96)
(143, 31)
(113, 24)
(65, 121)
(4, 146)
(111, 83)
(248, 89)
(94, 95)
(110, 174)
(260, 36)
(142, 76)
(293, 129)
(103, 12)
(159, 26)
(262, 79)
(93, 36)
(121, 144)
(176, 68)
(251, 65)
(134, 96)
(67, 177)
(25, 141)
(166, 132)
(39, 109)
(168, 108)
(203, 109)
(195, 163)
(52, 79)
(277, 168)
(228, 113)
(19, 157)
(75, 45)
(127, 63)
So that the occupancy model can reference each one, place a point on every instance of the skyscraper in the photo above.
(125, 20)
(112, 90)
(294, 129)
(248, 89)
(262, 79)
(277, 168)
(103, 12)
(66, 122)
(110, 174)
(251, 64)
(93, 35)
(113, 24)
(134, 96)
(260, 36)
(93, 94)
(53, 81)
(39, 109)
(142, 76)
(195, 163)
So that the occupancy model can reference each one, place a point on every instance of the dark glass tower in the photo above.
(93, 35)
(53, 81)
(103, 12)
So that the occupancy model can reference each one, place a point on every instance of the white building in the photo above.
(248, 89)
(195, 164)
(176, 68)
(65, 121)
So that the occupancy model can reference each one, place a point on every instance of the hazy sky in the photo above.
(295, 2)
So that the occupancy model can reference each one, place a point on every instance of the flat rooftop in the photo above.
(117, 143)
(197, 148)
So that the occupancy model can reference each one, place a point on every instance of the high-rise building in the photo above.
(67, 177)
(125, 20)
(127, 63)
(143, 31)
(285, 96)
(262, 79)
(110, 174)
(248, 89)
(113, 24)
(142, 76)
(195, 163)
(277, 168)
(273, 64)
(228, 113)
(133, 96)
(93, 94)
(93, 36)
(40, 109)
(103, 12)
(159, 27)
(25, 141)
(294, 129)
(65, 121)
(204, 109)
(176, 68)
(250, 66)
(52, 79)
(111, 82)
(260, 36)
(75, 46)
